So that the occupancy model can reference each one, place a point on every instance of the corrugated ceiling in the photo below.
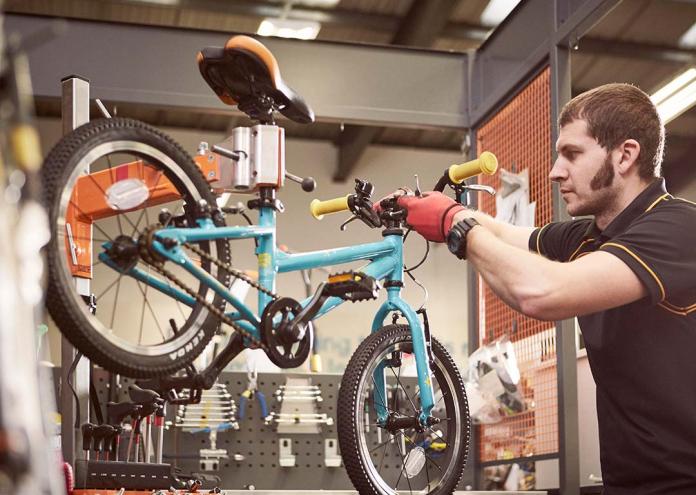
(653, 22)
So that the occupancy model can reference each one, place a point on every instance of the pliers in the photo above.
(251, 391)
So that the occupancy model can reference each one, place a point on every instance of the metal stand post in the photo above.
(75, 108)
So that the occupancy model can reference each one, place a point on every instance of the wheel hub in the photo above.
(124, 252)
(397, 422)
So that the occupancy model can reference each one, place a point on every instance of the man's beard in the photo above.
(604, 194)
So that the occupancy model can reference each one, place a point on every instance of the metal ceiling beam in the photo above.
(644, 51)
(389, 23)
(328, 16)
(342, 82)
(422, 25)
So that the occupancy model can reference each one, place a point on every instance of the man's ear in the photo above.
(629, 151)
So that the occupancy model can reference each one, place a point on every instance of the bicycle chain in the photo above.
(158, 264)
(232, 271)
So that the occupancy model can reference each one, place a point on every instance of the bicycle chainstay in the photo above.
(157, 262)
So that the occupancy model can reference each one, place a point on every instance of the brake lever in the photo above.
(481, 187)
(345, 224)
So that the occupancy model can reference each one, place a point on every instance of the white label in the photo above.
(127, 194)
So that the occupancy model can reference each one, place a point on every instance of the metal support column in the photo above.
(75, 108)
(566, 359)
(472, 473)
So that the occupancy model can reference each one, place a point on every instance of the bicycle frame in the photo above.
(385, 263)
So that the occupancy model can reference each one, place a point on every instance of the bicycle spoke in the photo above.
(113, 309)
(108, 288)
(88, 239)
(142, 319)
(379, 445)
(403, 468)
(384, 451)
(137, 224)
(437, 435)
(152, 312)
(402, 388)
(396, 395)
(427, 457)
(442, 397)
(111, 171)
(178, 303)
(380, 393)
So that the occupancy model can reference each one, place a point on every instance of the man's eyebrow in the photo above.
(567, 147)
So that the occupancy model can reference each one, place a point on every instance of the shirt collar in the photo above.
(638, 206)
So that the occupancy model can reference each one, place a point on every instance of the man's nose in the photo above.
(558, 171)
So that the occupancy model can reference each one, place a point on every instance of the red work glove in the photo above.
(377, 205)
(430, 214)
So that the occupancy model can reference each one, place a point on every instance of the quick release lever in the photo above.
(232, 155)
(308, 183)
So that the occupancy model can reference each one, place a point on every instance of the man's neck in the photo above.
(624, 198)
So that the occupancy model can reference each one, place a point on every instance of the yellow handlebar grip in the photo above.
(487, 164)
(321, 208)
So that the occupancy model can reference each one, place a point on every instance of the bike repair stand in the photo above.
(75, 112)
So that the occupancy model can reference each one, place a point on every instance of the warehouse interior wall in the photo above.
(387, 168)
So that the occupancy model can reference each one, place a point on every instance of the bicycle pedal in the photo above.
(352, 286)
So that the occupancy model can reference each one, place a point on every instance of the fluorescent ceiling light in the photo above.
(289, 28)
(688, 39)
(496, 11)
(319, 3)
(677, 96)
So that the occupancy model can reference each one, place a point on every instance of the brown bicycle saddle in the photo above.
(245, 73)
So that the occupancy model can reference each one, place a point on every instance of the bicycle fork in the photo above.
(420, 335)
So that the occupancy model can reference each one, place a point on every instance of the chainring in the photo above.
(284, 349)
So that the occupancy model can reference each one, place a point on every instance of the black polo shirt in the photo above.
(642, 355)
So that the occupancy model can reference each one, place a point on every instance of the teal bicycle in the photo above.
(140, 269)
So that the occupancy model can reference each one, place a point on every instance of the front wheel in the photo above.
(382, 460)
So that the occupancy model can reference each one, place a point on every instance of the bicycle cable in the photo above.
(408, 271)
(425, 256)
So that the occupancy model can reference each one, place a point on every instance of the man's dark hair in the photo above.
(616, 112)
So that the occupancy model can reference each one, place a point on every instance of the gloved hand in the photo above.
(377, 205)
(430, 214)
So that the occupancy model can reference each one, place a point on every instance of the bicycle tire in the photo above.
(352, 438)
(65, 307)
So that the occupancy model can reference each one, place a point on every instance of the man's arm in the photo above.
(509, 234)
(550, 290)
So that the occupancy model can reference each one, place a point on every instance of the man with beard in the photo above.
(628, 273)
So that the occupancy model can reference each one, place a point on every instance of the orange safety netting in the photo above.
(520, 136)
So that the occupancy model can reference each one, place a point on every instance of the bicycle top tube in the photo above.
(385, 256)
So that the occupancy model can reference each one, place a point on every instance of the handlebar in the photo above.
(487, 164)
(361, 205)
(320, 208)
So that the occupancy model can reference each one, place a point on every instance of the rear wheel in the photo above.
(105, 185)
(382, 460)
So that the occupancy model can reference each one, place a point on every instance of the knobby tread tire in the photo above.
(62, 305)
(348, 395)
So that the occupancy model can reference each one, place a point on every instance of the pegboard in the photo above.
(259, 443)
(519, 135)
